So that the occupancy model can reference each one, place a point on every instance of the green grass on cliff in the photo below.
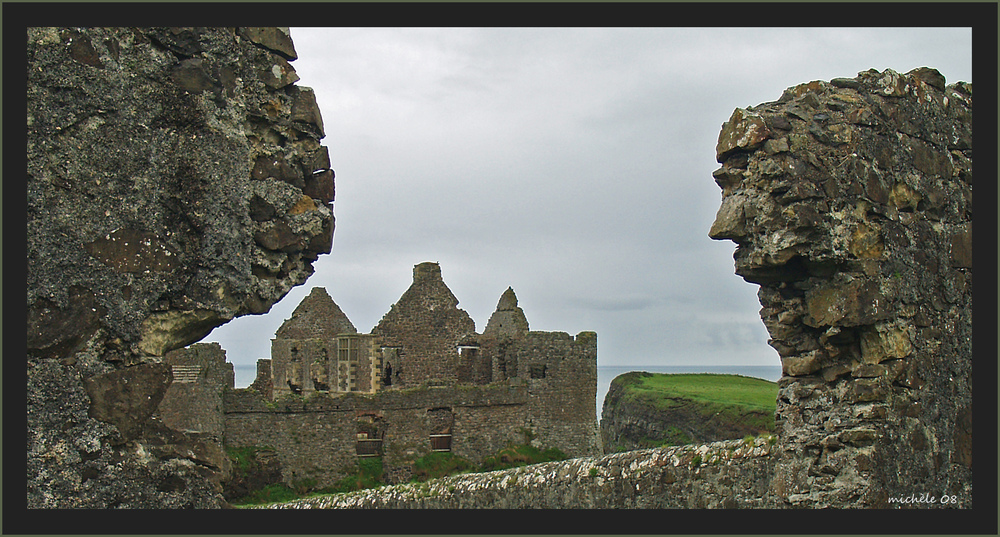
(733, 398)
(752, 394)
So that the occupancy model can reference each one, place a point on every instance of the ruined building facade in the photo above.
(423, 380)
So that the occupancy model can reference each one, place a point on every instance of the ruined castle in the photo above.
(423, 380)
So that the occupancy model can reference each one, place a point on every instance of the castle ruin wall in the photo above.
(427, 318)
(316, 437)
(561, 373)
(193, 401)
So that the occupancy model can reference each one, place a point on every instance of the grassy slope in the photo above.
(752, 394)
(734, 398)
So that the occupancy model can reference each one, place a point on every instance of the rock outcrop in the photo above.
(630, 421)
(850, 202)
(175, 180)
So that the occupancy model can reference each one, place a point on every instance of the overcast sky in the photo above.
(574, 165)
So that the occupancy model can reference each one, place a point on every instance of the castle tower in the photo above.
(421, 333)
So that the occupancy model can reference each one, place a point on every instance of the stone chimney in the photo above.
(426, 272)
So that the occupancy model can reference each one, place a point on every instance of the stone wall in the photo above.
(317, 316)
(731, 475)
(175, 180)
(850, 202)
(423, 371)
(561, 373)
(316, 437)
(263, 382)
(193, 401)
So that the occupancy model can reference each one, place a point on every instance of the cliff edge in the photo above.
(644, 410)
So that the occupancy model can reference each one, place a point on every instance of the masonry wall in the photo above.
(193, 401)
(316, 437)
(426, 326)
(298, 364)
(561, 373)
(851, 205)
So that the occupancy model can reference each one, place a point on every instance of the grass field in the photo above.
(753, 394)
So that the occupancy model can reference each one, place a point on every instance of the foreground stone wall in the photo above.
(731, 474)
(850, 202)
(175, 180)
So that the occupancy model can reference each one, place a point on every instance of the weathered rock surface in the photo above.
(175, 180)
(850, 202)
(629, 422)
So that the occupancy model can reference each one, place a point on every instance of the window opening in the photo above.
(370, 431)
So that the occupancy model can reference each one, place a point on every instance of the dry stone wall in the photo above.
(730, 474)
(175, 180)
(850, 202)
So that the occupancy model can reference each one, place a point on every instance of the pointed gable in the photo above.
(426, 304)
(427, 326)
(508, 319)
(317, 316)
